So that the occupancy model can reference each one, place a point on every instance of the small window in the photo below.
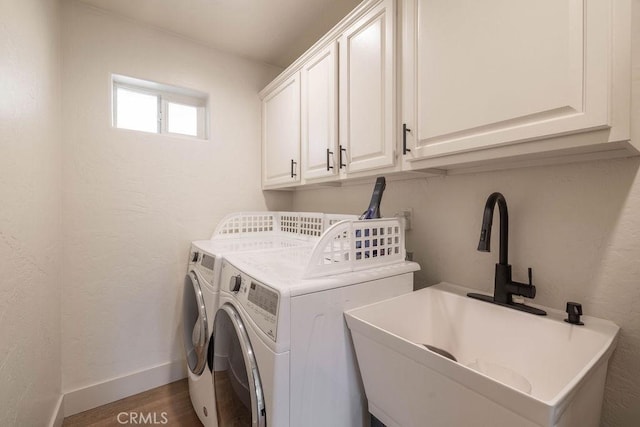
(182, 119)
(158, 108)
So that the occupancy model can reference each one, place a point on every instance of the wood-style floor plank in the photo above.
(172, 400)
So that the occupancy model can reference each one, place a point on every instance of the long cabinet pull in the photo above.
(345, 153)
(329, 153)
(293, 163)
(405, 129)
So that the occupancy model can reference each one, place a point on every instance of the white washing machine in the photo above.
(282, 352)
(239, 232)
(200, 302)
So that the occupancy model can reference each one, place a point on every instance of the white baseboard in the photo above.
(58, 413)
(95, 395)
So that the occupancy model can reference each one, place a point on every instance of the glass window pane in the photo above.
(136, 111)
(183, 119)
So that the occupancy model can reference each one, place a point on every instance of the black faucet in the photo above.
(504, 287)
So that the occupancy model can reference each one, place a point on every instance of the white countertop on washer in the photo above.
(282, 269)
(240, 244)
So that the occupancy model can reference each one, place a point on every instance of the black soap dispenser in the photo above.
(574, 311)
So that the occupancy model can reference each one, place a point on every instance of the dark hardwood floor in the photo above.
(168, 405)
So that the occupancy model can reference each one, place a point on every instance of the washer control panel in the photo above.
(260, 301)
(263, 297)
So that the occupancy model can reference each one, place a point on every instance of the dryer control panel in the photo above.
(204, 263)
(261, 302)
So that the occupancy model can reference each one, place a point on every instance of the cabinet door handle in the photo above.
(293, 174)
(329, 153)
(405, 129)
(345, 153)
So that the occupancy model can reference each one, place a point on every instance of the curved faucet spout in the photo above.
(484, 244)
(504, 288)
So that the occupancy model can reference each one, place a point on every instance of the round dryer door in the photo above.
(194, 324)
(236, 380)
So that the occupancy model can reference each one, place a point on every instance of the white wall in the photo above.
(577, 225)
(29, 211)
(132, 202)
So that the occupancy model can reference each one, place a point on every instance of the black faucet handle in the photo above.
(526, 290)
(532, 289)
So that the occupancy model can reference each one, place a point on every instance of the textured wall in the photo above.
(29, 211)
(134, 201)
(577, 226)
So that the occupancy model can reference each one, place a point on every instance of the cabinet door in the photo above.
(498, 72)
(281, 133)
(319, 114)
(367, 89)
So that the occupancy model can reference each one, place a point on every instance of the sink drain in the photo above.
(441, 352)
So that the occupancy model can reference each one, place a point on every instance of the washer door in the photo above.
(236, 380)
(194, 324)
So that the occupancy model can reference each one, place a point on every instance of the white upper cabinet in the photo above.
(344, 121)
(319, 78)
(281, 133)
(478, 85)
(367, 89)
(487, 74)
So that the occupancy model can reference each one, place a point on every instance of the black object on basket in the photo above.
(373, 211)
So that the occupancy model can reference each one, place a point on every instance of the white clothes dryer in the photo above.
(282, 354)
(199, 301)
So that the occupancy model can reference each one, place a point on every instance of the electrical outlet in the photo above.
(405, 214)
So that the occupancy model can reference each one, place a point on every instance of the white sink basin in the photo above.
(512, 369)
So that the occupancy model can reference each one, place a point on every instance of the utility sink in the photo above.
(512, 368)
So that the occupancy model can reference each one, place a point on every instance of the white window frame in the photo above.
(165, 94)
